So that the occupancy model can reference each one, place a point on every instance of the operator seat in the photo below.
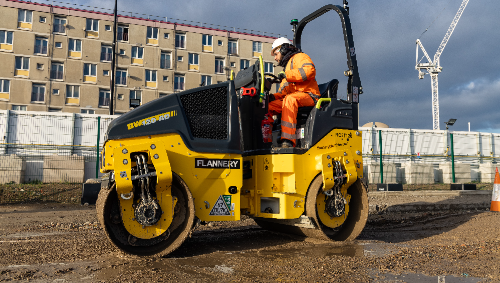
(327, 90)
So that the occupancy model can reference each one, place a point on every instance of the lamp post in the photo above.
(450, 123)
(113, 64)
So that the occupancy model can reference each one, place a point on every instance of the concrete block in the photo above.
(11, 163)
(58, 176)
(373, 172)
(487, 172)
(12, 177)
(462, 173)
(418, 173)
(73, 162)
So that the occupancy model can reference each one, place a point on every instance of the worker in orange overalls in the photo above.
(298, 87)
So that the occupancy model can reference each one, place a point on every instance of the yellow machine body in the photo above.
(279, 182)
(267, 186)
(208, 186)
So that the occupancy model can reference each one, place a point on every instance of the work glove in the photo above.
(281, 75)
(271, 97)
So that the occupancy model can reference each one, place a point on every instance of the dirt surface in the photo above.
(64, 243)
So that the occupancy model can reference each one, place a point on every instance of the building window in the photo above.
(163, 94)
(59, 25)
(135, 94)
(22, 63)
(5, 37)
(105, 73)
(152, 33)
(137, 52)
(121, 77)
(220, 43)
(165, 60)
(178, 82)
(58, 44)
(107, 27)
(19, 107)
(72, 91)
(25, 16)
(92, 25)
(165, 78)
(89, 69)
(233, 64)
(150, 76)
(106, 53)
(55, 91)
(244, 64)
(232, 47)
(180, 40)
(104, 96)
(57, 71)
(55, 109)
(41, 44)
(122, 33)
(268, 68)
(87, 111)
(193, 58)
(207, 40)
(39, 66)
(206, 80)
(180, 58)
(122, 52)
(4, 86)
(42, 19)
(257, 47)
(38, 93)
(75, 45)
(219, 66)
(120, 96)
(166, 35)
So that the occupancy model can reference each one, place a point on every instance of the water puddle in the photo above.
(421, 278)
(322, 250)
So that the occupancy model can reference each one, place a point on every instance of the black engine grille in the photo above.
(206, 111)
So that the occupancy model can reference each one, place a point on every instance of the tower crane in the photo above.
(433, 67)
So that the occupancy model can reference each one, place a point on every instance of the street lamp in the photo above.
(450, 123)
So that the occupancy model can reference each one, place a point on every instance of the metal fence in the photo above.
(47, 156)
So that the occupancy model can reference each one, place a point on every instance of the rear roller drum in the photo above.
(108, 212)
(334, 218)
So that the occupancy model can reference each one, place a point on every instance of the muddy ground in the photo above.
(64, 243)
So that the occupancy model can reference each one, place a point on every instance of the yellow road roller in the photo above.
(200, 155)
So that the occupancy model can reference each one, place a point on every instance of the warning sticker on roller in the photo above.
(220, 207)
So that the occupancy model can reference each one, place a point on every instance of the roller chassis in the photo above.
(199, 156)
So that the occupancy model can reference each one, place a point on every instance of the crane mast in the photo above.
(433, 67)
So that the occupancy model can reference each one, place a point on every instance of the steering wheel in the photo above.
(275, 79)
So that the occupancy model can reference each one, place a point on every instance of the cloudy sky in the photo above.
(384, 35)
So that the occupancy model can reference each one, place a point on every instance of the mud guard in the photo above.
(157, 154)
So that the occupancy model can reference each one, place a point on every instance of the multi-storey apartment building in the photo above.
(59, 59)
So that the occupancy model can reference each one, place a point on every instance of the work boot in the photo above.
(286, 143)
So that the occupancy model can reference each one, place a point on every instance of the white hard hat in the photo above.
(278, 42)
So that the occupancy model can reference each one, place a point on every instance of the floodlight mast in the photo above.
(433, 67)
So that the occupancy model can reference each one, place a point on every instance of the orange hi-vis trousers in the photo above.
(288, 107)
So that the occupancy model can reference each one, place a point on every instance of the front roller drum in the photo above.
(348, 226)
(108, 213)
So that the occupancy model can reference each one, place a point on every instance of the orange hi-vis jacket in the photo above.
(300, 77)
(299, 89)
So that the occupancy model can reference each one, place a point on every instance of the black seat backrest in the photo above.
(329, 89)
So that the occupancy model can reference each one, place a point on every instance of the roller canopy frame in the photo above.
(354, 82)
